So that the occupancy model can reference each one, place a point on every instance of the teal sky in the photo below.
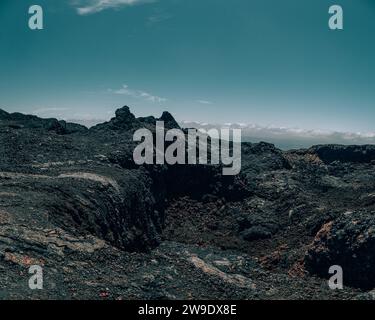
(249, 61)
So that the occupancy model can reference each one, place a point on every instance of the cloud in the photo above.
(87, 119)
(47, 110)
(159, 17)
(138, 94)
(51, 112)
(67, 114)
(86, 7)
(290, 138)
(204, 102)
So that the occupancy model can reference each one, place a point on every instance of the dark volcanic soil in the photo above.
(73, 201)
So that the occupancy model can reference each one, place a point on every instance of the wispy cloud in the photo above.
(138, 94)
(85, 7)
(204, 102)
(158, 17)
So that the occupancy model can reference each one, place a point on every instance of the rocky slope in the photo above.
(73, 201)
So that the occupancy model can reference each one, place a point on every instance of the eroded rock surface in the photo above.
(73, 201)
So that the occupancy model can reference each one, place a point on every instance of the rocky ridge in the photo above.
(73, 201)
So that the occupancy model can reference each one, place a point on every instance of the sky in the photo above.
(264, 62)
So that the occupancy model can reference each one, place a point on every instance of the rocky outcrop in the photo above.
(69, 128)
(88, 184)
(340, 153)
(169, 121)
(73, 200)
(349, 242)
(19, 121)
(126, 121)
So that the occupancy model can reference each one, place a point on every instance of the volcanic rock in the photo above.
(349, 242)
(73, 201)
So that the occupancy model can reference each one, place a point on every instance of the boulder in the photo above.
(348, 241)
